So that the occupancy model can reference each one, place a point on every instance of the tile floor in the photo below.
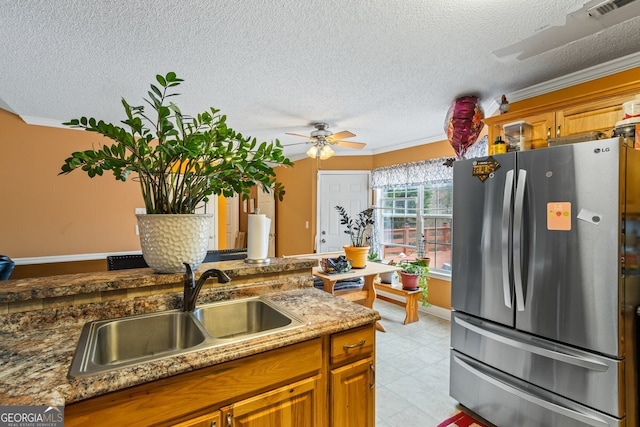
(412, 374)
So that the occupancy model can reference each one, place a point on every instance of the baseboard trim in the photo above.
(69, 258)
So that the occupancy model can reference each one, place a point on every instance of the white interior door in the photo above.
(267, 205)
(349, 189)
(233, 220)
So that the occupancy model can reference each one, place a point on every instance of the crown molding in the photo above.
(412, 143)
(582, 76)
(43, 121)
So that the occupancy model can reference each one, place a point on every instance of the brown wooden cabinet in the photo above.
(209, 420)
(353, 378)
(595, 115)
(353, 395)
(294, 405)
(287, 387)
(542, 126)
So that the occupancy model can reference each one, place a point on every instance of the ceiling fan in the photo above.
(322, 139)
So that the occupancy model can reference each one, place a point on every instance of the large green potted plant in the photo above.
(179, 161)
(358, 230)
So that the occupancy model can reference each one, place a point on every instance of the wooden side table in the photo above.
(368, 293)
(411, 300)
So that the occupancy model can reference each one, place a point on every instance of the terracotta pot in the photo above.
(167, 241)
(409, 281)
(357, 255)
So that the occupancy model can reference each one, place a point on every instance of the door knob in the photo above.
(324, 232)
(323, 241)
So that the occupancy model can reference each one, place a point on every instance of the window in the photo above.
(416, 221)
(414, 209)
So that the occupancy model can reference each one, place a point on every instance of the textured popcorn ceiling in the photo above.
(387, 70)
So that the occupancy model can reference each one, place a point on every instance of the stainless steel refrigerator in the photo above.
(545, 285)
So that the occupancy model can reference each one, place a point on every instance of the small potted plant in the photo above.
(415, 276)
(357, 230)
(179, 161)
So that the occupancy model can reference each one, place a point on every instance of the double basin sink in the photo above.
(105, 345)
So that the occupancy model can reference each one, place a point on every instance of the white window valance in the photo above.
(432, 171)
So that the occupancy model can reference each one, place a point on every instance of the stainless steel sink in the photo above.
(116, 343)
(120, 341)
(242, 319)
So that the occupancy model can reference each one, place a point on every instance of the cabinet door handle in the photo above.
(548, 133)
(229, 419)
(348, 346)
(373, 376)
(214, 423)
(558, 131)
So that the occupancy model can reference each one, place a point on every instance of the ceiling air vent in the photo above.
(606, 7)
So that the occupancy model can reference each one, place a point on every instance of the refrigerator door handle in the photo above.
(553, 407)
(506, 217)
(517, 238)
(545, 352)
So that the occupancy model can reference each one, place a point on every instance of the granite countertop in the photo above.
(73, 284)
(35, 359)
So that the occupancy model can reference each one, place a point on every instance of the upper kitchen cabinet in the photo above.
(541, 127)
(597, 116)
(593, 106)
(594, 116)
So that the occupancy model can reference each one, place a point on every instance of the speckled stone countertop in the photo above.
(72, 284)
(36, 348)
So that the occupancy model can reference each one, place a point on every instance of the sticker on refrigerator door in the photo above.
(589, 216)
(559, 216)
(484, 169)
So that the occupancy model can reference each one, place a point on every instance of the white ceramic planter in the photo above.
(170, 240)
(389, 278)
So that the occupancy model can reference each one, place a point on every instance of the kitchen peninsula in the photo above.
(292, 370)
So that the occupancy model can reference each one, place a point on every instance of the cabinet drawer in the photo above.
(353, 344)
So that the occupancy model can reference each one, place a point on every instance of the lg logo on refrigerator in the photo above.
(601, 150)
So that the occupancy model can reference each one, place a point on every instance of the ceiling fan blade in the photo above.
(341, 135)
(296, 143)
(350, 144)
(297, 134)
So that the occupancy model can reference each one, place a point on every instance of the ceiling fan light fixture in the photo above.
(313, 152)
(326, 152)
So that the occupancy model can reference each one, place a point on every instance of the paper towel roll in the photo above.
(258, 237)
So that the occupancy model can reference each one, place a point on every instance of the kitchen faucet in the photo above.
(192, 288)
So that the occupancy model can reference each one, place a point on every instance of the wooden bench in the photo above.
(411, 300)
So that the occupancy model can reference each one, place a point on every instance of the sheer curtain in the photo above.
(432, 171)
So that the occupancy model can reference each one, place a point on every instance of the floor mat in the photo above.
(461, 420)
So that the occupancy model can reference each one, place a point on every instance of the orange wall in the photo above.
(299, 205)
(414, 154)
(44, 214)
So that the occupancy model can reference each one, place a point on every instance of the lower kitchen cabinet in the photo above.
(326, 381)
(353, 397)
(295, 405)
(352, 378)
(211, 420)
